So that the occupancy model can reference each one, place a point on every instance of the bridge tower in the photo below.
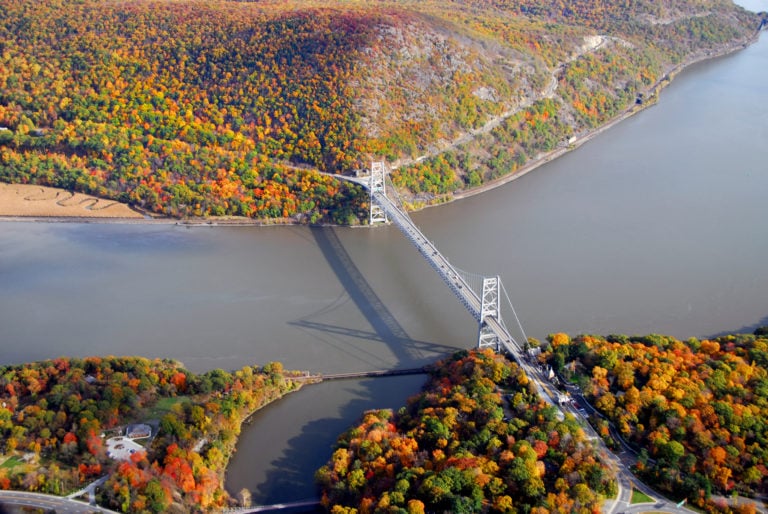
(377, 185)
(490, 305)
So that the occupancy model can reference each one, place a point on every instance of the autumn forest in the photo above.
(58, 413)
(693, 410)
(478, 438)
(188, 108)
(246, 110)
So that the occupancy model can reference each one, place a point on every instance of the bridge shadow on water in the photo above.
(291, 475)
(384, 325)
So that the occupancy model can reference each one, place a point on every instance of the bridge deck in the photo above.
(447, 272)
(362, 374)
(473, 303)
(455, 281)
(468, 297)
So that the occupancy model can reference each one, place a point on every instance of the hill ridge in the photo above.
(190, 108)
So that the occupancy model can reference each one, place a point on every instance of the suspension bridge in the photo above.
(483, 296)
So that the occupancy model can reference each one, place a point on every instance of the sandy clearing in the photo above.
(41, 201)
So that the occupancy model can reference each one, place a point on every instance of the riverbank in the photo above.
(33, 203)
(298, 382)
(51, 205)
(651, 96)
(195, 422)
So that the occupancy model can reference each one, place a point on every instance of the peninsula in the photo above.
(159, 435)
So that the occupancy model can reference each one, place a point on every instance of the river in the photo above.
(657, 225)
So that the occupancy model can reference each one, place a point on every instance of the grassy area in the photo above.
(164, 406)
(640, 497)
(11, 462)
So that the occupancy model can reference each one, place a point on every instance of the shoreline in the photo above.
(22, 200)
(653, 97)
(246, 420)
(201, 222)
(130, 216)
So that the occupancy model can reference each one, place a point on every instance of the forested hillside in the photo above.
(192, 108)
(56, 416)
(477, 439)
(695, 410)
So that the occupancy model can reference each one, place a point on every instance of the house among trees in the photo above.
(139, 431)
(533, 353)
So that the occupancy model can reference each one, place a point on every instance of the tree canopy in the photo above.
(57, 415)
(192, 108)
(696, 410)
(477, 439)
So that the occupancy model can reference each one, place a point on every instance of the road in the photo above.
(61, 505)
(591, 44)
(623, 460)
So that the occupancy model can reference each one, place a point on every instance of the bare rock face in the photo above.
(431, 81)
(424, 78)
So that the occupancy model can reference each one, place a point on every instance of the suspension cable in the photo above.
(520, 325)
(474, 280)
